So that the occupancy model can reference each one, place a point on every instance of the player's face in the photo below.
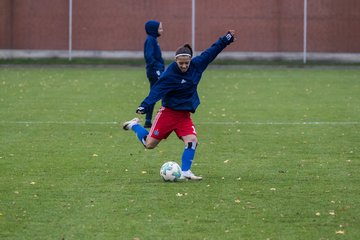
(160, 29)
(183, 63)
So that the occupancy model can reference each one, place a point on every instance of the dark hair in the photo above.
(185, 49)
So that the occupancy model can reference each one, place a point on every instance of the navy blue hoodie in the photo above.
(178, 90)
(152, 51)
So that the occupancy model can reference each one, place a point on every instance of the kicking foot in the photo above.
(129, 124)
(189, 175)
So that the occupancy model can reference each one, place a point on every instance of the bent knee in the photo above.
(190, 138)
(149, 146)
(151, 143)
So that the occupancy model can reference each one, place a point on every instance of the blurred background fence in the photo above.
(265, 29)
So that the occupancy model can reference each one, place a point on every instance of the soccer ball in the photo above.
(170, 171)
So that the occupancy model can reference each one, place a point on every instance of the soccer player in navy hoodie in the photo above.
(154, 61)
(177, 87)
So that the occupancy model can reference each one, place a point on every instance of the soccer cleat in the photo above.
(189, 175)
(129, 124)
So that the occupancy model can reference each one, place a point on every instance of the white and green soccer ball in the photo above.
(170, 171)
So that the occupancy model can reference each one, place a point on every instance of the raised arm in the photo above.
(207, 56)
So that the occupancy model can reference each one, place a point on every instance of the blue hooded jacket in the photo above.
(152, 51)
(178, 90)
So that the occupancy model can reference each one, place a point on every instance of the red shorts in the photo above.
(168, 120)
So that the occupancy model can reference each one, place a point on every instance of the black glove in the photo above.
(141, 110)
(229, 37)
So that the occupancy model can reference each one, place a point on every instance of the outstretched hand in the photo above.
(232, 32)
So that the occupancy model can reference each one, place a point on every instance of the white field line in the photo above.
(200, 123)
(281, 123)
(58, 122)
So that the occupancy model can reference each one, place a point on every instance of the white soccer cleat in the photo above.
(189, 175)
(129, 124)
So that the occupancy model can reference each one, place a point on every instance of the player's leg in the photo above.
(188, 155)
(141, 133)
(161, 129)
(151, 142)
(187, 133)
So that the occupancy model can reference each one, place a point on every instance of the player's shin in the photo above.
(141, 133)
(188, 156)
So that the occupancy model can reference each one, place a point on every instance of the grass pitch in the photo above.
(279, 152)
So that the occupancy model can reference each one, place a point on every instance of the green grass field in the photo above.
(279, 152)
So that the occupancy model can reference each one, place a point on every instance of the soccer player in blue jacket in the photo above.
(177, 87)
(154, 61)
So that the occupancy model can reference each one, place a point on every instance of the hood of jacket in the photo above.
(152, 27)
